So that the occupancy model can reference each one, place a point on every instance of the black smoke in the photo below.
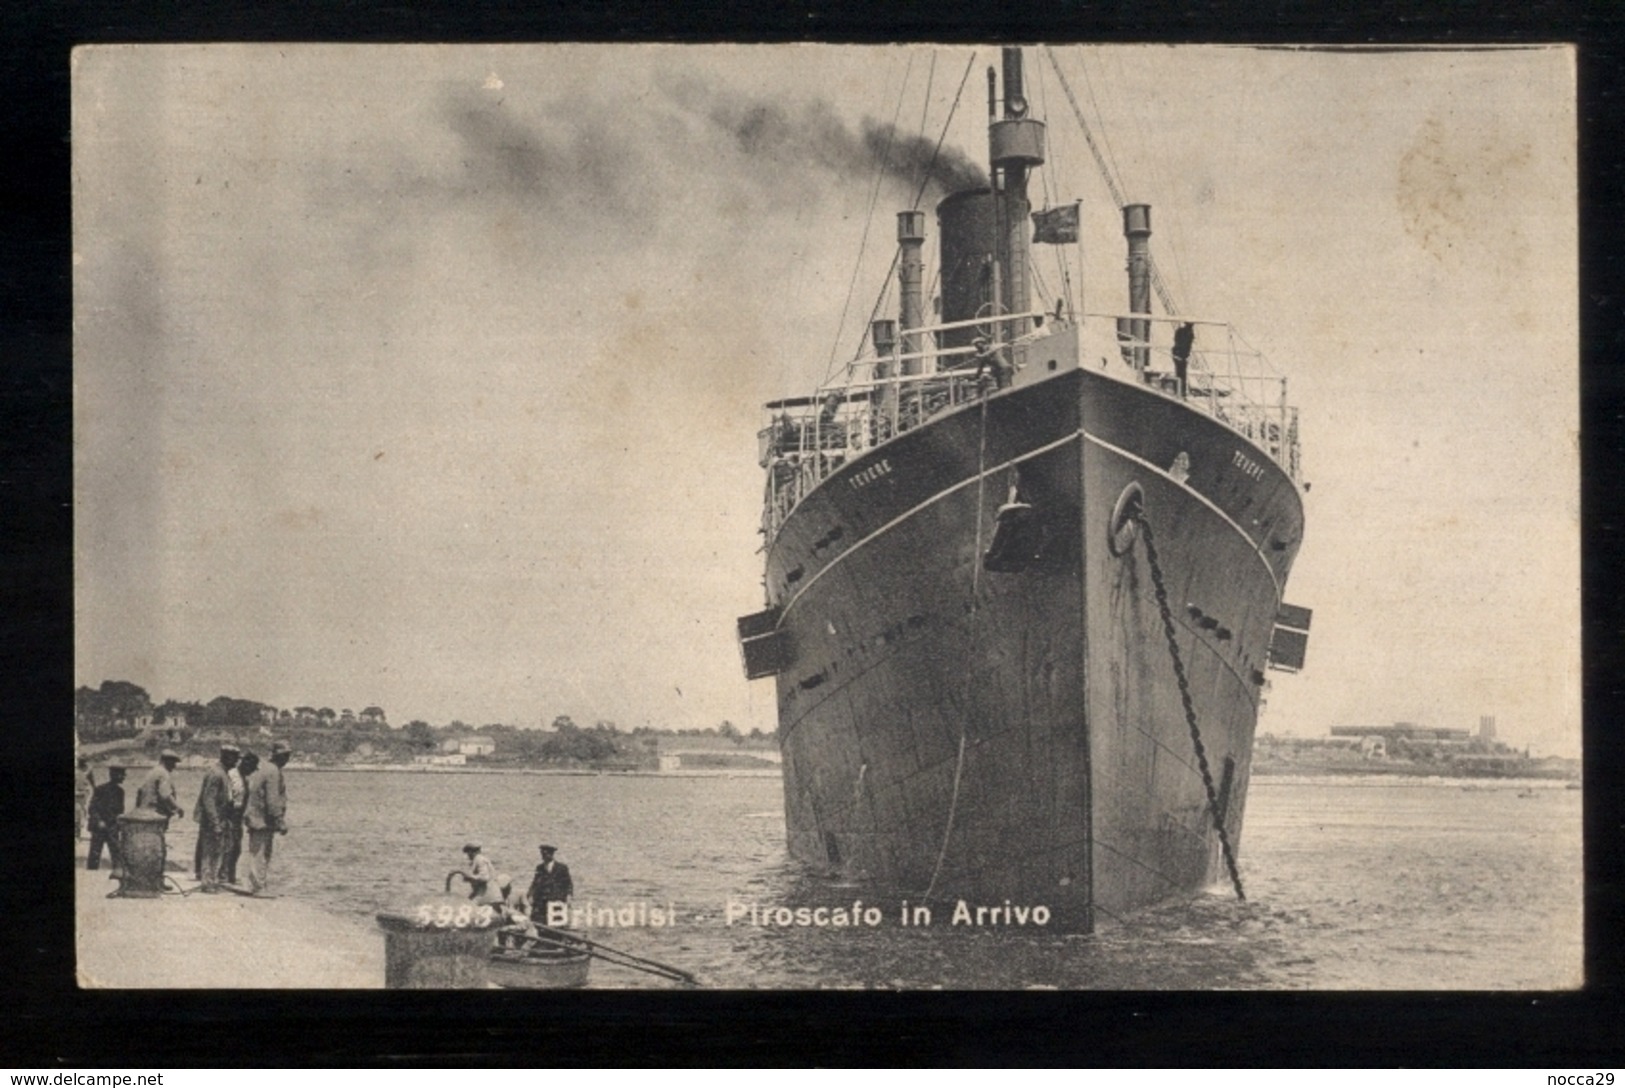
(589, 164)
(575, 156)
(778, 136)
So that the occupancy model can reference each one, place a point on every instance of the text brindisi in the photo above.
(639, 913)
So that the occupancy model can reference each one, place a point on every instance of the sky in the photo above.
(429, 376)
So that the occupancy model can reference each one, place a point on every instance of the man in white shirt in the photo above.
(480, 874)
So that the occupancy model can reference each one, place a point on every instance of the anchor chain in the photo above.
(1185, 696)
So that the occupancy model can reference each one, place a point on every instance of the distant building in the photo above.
(670, 763)
(1408, 731)
(1486, 728)
(476, 746)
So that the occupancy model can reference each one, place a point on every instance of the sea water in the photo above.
(1351, 884)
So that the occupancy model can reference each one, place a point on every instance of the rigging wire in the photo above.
(1157, 282)
(1115, 173)
(868, 221)
(925, 105)
(936, 151)
(897, 253)
(1050, 192)
(1159, 181)
(970, 670)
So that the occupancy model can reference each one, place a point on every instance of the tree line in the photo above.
(118, 708)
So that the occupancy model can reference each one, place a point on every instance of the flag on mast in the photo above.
(1056, 226)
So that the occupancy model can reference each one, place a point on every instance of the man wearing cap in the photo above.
(480, 874)
(106, 806)
(157, 792)
(265, 816)
(551, 884)
(214, 816)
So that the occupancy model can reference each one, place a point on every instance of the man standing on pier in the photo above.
(265, 817)
(214, 814)
(551, 884)
(237, 778)
(84, 784)
(157, 792)
(106, 806)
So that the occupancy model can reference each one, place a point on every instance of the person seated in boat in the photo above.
(480, 874)
(516, 929)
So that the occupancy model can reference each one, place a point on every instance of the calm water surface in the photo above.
(1350, 884)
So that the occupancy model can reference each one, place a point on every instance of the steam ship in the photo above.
(1024, 575)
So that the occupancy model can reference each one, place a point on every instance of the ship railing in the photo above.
(1226, 378)
(807, 438)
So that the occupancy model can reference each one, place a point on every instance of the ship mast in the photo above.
(1015, 146)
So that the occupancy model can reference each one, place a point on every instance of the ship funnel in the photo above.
(883, 335)
(911, 283)
(1137, 230)
(966, 231)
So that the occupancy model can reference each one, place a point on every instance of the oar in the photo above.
(619, 958)
(609, 955)
(616, 956)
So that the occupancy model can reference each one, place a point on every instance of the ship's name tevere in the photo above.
(904, 914)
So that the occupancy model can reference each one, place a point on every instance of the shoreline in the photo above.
(419, 768)
(1361, 778)
(183, 940)
(1415, 781)
(1364, 779)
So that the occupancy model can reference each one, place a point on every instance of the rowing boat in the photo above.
(539, 966)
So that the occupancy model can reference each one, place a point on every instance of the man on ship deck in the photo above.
(990, 364)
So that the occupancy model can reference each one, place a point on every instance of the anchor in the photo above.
(1018, 536)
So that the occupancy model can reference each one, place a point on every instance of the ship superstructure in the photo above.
(1024, 575)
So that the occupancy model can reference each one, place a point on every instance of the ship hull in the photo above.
(956, 735)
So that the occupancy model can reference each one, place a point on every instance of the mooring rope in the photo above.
(970, 654)
(1185, 697)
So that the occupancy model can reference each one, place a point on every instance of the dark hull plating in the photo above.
(1020, 737)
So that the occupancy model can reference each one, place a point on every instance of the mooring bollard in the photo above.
(442, 943)
(142, 853)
